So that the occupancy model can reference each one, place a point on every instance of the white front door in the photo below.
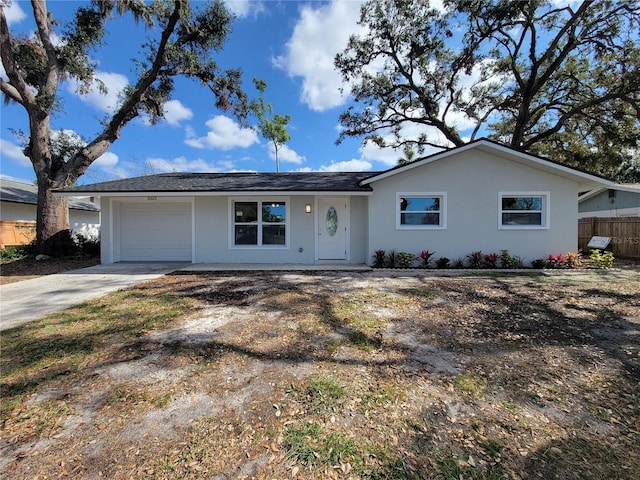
(332, 228)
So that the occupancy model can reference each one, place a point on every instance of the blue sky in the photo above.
(289, 44)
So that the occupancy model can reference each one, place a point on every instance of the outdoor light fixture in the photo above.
(307, 208)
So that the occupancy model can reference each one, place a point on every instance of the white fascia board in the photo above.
(234, 193)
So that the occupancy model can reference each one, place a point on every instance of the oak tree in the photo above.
(544, 77)
(181, 41)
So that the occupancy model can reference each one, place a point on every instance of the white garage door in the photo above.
(159, 232)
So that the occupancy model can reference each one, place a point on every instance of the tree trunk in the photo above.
(53, 235)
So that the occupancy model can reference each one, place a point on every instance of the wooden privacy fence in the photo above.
(16, 233)
(624, 233)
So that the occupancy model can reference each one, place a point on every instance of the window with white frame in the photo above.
(518, 210)
(421, 210)
(259, 223)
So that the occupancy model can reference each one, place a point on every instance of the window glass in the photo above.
(246, 212)
(522, 218)
(273, 235)
(273, 212)
(421, 210)
(268, 228)
(522, 210)
(522, 203)
(246, 235)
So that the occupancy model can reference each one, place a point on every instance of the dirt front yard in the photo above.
(343, 375)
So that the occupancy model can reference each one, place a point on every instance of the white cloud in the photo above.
(354, 165)
(107, 102)
(175, 112)
(106, 160)
(223, 134)
(180, 164)
(318, 36)
(244, 8)
(14, 152)
(286, 154)
(14, 13)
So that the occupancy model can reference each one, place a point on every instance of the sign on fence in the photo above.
(599, 242)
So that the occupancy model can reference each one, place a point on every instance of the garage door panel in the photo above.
(155, 232)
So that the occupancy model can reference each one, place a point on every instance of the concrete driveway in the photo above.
(25, 301)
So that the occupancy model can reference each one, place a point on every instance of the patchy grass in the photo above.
(52, 352)
(331, 376)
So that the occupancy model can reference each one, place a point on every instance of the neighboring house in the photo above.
(481, 196)
(617, 201)
(18, 203)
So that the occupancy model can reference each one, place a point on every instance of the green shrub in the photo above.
(475, 259)
(378, 258)
(391, 259)
(458, 263)
(442, 262)
(10, 253)
(510, 261)
(86, 244)
(601, 259)
(404, 259)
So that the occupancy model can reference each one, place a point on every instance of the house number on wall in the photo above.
(332, 221)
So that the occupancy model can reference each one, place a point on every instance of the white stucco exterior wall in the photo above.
(472, 181)
(212, 242)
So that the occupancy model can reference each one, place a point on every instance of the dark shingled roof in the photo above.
(20, 192)
(232, 182)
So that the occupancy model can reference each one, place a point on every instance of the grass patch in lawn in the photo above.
(58, 346)
(316, 447)
(385, 395)
(364, 329)
(469, 384)
(319, 393)
(46, 416)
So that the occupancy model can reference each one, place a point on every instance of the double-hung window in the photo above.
(523, 210)
(416, 211)
(259, 223)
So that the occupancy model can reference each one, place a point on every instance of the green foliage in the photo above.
(475, 259)
(442, 262)
(271, 126)
(601, 259)
(555, 80)
(181, 41)
(391, 259)
(299, 442)
(11, 253)
(458, 263)
(378, 258)
(86, 244)
(510, 261)
(319, 393)
(405, 259)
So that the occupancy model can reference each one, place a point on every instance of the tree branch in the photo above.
(128, 110)
(16, 88)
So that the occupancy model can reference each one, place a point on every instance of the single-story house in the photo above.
(481, 196)
(621, 200)
(18, 204)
